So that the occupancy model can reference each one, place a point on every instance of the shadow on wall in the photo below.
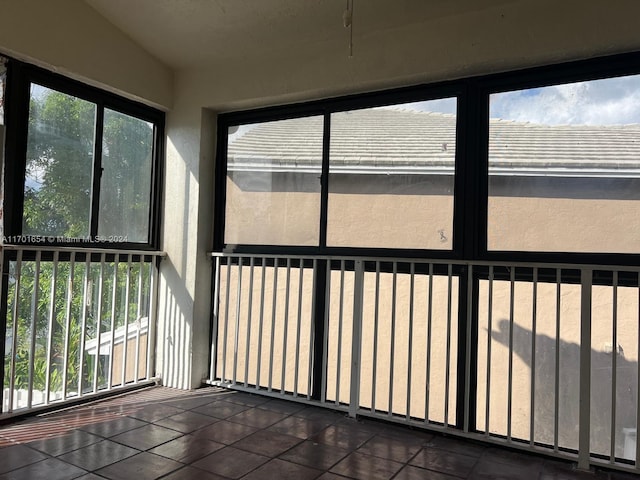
(569, 385)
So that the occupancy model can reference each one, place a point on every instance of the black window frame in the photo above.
(471, 163)
(20, 76)
(599, 68)
(326, 108)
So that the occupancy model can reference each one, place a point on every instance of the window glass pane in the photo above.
(57, 190)
(125, 187)
(392, 175)
(564, 168)
(273, 182)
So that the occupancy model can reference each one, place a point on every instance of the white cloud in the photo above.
(441, 105)
(596, 102)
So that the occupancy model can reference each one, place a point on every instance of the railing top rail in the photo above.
(438, 261)
(109, 251)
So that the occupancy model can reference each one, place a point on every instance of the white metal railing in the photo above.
(78, 322)
(549, 360)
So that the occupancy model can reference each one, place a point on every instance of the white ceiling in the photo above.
(204, 33)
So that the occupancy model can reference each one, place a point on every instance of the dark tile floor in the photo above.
(214, 434)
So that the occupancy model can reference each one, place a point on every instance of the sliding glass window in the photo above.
(273, 183)
(564, 168)
(391, 176)
(85, 164)
(126, 183)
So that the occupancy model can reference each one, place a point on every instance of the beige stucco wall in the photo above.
(130, 374)
(564, 224)
(426, 221)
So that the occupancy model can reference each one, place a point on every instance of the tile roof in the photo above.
(388, 140)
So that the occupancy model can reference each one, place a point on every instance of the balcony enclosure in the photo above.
(342, 279)
(428, 218)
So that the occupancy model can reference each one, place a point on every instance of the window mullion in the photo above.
(324, 179)
(97, 170)
(16, 117)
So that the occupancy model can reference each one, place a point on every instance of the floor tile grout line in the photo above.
(335, 420)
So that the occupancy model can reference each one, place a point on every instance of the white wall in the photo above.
(487, 36)
(69, 37)
(185, 294)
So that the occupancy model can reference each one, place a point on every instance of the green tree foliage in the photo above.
(59, 166)
(48, 329)
(60, 169)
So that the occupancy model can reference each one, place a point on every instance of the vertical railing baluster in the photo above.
(52, 321)
(226, 321)
(340, 319)
(556, 406)
(392, 337)
(261, 320)
(412, 272)
(448, 340)
(312, 338)
(534, 320)
(467, 382)
(298, 327)
(489, 341)
(637, 323)
(33, 326)
(14, 331)
(83, 320)
(428, 355)
(125, 342)
(98, 323)
(584, 422)
(273, 322)
(614, 366)
(356, 338)
(376, 314)
(249, 320)
(287, 289)
(139, 313)
(112, 340)
(67, 325)
(325, 340)
(512, 287)
(236, 332)
(394, 294)
(216, 312)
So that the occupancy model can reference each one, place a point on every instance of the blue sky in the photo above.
(611, 101)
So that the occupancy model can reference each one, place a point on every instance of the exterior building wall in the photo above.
(130, 369)
(548, 224)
